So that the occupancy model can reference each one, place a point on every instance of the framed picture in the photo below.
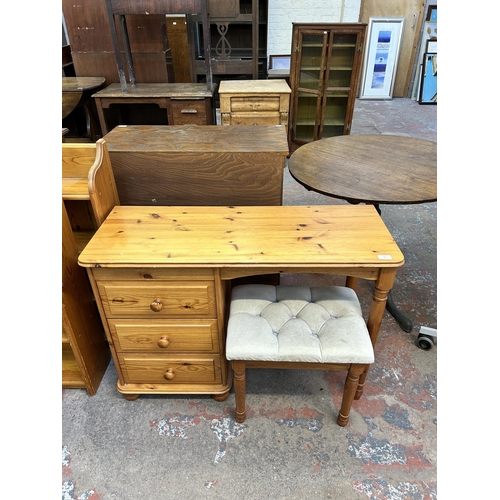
(428, 83)
(280, 62)
(381, 57)
(429, 33)
(432, 13)
(431, 45)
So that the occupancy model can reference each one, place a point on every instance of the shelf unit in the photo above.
(324, 74)
(88, 195)
(238, 39)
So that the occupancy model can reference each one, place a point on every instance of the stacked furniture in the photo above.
(121, 8)
(238, 39)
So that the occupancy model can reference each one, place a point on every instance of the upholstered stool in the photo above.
(299, 327)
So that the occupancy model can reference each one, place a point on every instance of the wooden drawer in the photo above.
(165, 336)
(260, 103)
(156, 369)
(189, 111)
(255, 119)
(148, 274)
(157, 299)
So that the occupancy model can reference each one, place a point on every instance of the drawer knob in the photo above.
(163, 342)
(169, 374)
(156, 305)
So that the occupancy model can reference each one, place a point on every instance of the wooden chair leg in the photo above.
(239, 378)
(351, 384)
(361, 384)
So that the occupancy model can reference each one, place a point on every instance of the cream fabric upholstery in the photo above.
(297, 324)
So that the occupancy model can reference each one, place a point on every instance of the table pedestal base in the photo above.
(402, 320)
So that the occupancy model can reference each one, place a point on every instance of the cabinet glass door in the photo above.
(311, 85)
(335, 110)
(339, 76)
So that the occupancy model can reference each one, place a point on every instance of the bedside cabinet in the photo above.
(254, 102)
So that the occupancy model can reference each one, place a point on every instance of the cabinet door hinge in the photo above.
(297, 47)
(360, 47)
(348, 127)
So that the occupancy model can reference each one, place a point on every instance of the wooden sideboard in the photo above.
(161, 277)
(198, 165)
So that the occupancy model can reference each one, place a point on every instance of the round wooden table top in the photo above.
(378, 169)
(81, 83)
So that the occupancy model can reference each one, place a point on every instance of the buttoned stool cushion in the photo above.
(297, 324)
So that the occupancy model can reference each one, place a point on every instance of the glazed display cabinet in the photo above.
(324, 74)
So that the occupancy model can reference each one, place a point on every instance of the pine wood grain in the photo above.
(327, 235)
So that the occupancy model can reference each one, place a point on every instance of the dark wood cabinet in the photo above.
(238, 39)
(324, 73)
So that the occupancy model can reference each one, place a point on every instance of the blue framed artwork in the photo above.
(428, 84)
(381, 57)
(432, 13)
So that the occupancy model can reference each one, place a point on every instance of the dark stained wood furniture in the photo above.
(121, 8)
(92, 52)
(198, 165)
(238, 43)
(184, 103)
(375, 169)
(324, 73)
(76, 91)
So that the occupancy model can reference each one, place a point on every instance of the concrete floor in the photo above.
(290, 447)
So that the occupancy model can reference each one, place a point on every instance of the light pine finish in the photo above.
(353, 388)
(85, 353)
(254, 102)
(88, 184)
(139, 254)
(198, 165)
(88, 195)
(379, 169)
(184, 103)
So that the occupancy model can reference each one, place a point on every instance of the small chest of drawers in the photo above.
(164, 329)
(254, 102)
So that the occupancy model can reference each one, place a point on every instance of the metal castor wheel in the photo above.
(425, 339)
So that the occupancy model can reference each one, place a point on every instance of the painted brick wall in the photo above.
(282, 13)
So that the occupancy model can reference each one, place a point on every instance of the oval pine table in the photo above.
(375, 169)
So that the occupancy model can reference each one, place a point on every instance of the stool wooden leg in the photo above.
(351, 384)
(239, 379)
(361, 384)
